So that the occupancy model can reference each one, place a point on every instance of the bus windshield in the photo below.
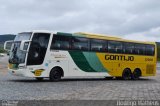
(16, 55)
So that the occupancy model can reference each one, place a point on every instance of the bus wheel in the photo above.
(55, 74)
(39, 78)
(126, 74)
(136, 74)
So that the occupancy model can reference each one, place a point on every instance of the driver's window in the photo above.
(38, 48)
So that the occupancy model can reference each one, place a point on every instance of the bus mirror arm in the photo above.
(5, 44)
(23, 45)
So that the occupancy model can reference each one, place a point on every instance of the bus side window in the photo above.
(128, 48)
(149, 50)
(140, 49)
(98, 45)
(80, 43)
(114, 47)
(60, 42)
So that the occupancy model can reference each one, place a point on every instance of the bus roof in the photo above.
(109, 37)
(98, 35)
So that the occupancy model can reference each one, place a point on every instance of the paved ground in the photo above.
(20, 88)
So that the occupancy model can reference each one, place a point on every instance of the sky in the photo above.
(130, 19)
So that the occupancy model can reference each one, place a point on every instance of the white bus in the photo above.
(43, 54)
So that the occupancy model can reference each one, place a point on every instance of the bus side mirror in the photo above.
(7, 45)
(24, 45)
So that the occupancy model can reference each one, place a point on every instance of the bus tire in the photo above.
(126, 74)
(136, 74)
(56, 74)
(39, 78)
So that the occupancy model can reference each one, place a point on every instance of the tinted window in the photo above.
(38, 48)
(114, 47)
(150, 49)
(128, 48)
(98, 45)
(79, 43)
(60, 42)
(140, 49)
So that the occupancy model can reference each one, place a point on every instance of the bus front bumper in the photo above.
(20, 72)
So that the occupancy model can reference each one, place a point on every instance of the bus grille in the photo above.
(150, 69)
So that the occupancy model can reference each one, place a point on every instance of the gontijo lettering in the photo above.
(119, 57)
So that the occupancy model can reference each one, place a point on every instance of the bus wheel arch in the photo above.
(56, 73)
(126, 75)
(137, 73)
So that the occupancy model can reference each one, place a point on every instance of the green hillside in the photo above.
(4, 38)
(1, 48)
